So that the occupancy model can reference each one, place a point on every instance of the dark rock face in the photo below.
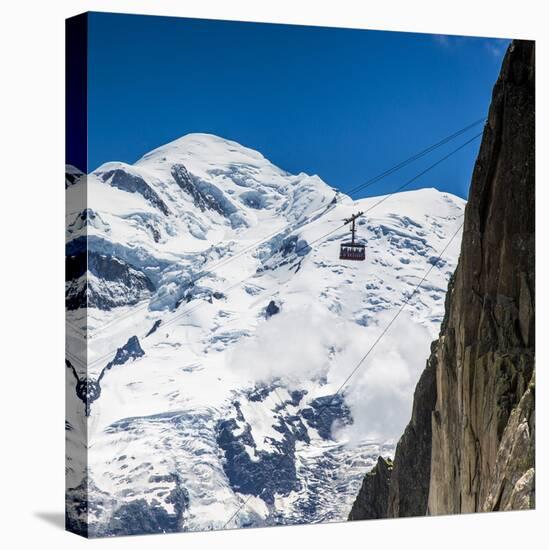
(89, 390)
(374, 493)
(324, 411)
(271, 309)
(513, 483)
(485, 357)
(139, 517)
(204, 194)
(109, 268)
(274, 472)
(134, 184)
(75, 266)
(270, 472)
(469, 446)
(154, 328)
(117, 284)
(72, 176)
(130, 350)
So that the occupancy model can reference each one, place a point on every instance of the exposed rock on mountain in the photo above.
(374, 493)
(477, 393)
(122, 179)
(271, 309)
(513, 479)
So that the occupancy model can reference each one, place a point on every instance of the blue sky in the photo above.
(343, 104)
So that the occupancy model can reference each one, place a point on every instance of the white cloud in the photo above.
(380, 394)
(293, 345)
(311, 342)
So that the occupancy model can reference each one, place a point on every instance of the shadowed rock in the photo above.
(469, 446)
(374, 493)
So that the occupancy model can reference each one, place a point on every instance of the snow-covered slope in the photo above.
(212, 361)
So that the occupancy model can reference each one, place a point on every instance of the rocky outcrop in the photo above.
(132, 183)
(102, 281)
(410, 478)
(271, 309)
(469, 446)
(486, 351)
(88, 390)
(374, 493)
(512, 486)
(206, 196)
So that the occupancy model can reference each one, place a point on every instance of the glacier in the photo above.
(210, 325)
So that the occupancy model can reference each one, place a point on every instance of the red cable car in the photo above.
(352, 250)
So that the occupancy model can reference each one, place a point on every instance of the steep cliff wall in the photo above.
(485, 355)
(470, 443)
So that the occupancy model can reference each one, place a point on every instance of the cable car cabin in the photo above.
(352, 251)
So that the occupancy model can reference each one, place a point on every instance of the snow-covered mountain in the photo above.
(210, 363)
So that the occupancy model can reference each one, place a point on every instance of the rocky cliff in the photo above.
(469, 446)
(374, 492)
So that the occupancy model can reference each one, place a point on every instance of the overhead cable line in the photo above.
(307, 245)
(296, 225)
(363, 358)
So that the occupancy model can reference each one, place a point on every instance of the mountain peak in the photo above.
(203, 148)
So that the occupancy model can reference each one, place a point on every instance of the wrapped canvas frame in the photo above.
(260, 476)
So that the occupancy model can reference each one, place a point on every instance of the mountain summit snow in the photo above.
(219, 325)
